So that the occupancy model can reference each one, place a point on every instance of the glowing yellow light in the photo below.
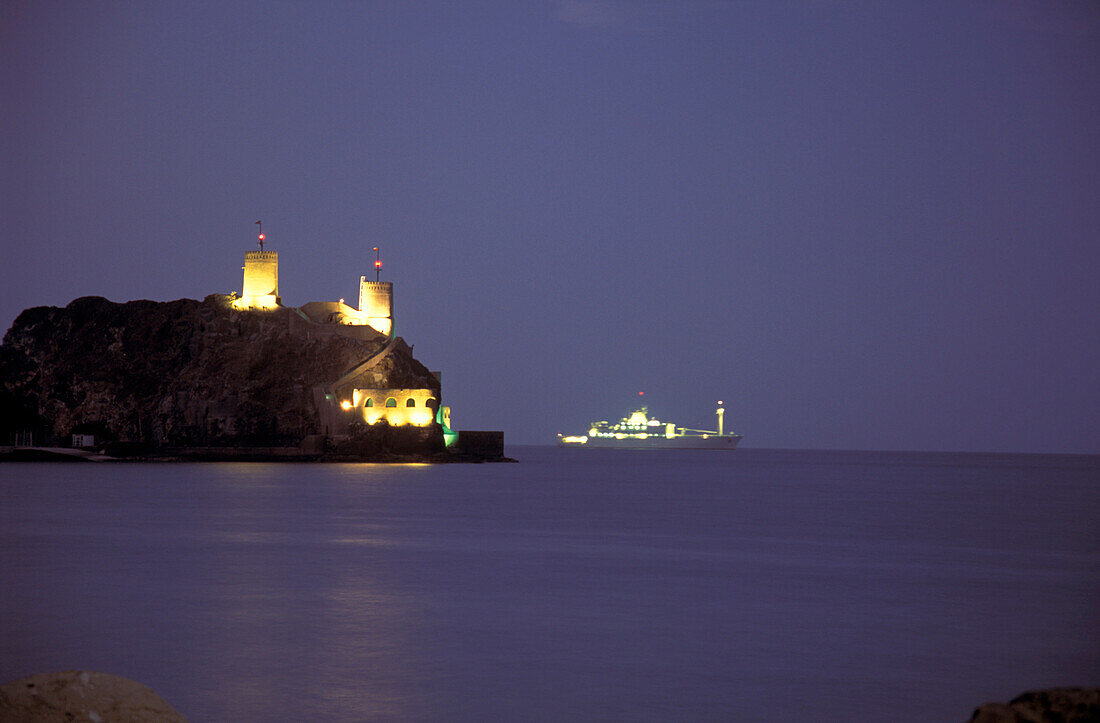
(346, 404)
(592, 432)
(574, 440)
(265, 302)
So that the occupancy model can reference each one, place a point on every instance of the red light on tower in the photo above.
(262, 237)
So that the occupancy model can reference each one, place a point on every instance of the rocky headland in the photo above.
(1052, 705)
(82, 695)
(163, 379)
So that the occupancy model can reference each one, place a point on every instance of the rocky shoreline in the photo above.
(194, 380)
(87, 695)
(471, 454)
(83, 695)
(1050, 705)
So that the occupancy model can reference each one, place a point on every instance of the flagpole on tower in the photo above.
(261, 225)
(377, 264)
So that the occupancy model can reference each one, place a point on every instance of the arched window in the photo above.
(391, 402)
(432, 403)
(370, 402)
(411, 402)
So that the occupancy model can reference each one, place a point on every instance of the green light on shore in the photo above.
(449, 436)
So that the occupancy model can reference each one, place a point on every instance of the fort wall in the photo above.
(260, 289)
(397, 406)
(345, 320)
(376, 304)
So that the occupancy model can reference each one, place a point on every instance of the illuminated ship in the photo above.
(638, 431)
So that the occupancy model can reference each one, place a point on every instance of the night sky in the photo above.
(863, 225)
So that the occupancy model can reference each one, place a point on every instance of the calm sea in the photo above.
(577, 585)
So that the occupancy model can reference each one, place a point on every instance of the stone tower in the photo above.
(376, 304)
(261, 281)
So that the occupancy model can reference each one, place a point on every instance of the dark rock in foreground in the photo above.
(1054, 705)
(80, 695)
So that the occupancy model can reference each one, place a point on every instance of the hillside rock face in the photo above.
(82, 695)
(1054, 705)
(181, 373)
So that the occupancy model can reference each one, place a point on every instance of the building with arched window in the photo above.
(397, 407)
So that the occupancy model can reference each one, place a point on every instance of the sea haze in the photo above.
(578, 584)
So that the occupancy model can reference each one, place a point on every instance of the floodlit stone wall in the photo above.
(261, 281)
(376, 304)
(335, 312)
(397, 406)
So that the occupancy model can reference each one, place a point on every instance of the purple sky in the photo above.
(863, 225)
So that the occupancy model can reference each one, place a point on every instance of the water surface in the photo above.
(578, 584)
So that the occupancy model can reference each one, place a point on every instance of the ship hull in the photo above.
(712, 441)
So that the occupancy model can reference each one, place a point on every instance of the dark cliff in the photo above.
(180, 373)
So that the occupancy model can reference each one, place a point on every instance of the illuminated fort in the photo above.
(260, 289)
(355, 396)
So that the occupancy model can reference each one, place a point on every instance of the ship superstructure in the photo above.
(639, 431)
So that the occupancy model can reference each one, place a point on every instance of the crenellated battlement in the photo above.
(376, 304)
(260, 289)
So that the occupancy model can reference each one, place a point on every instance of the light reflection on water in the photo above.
(624, 585)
